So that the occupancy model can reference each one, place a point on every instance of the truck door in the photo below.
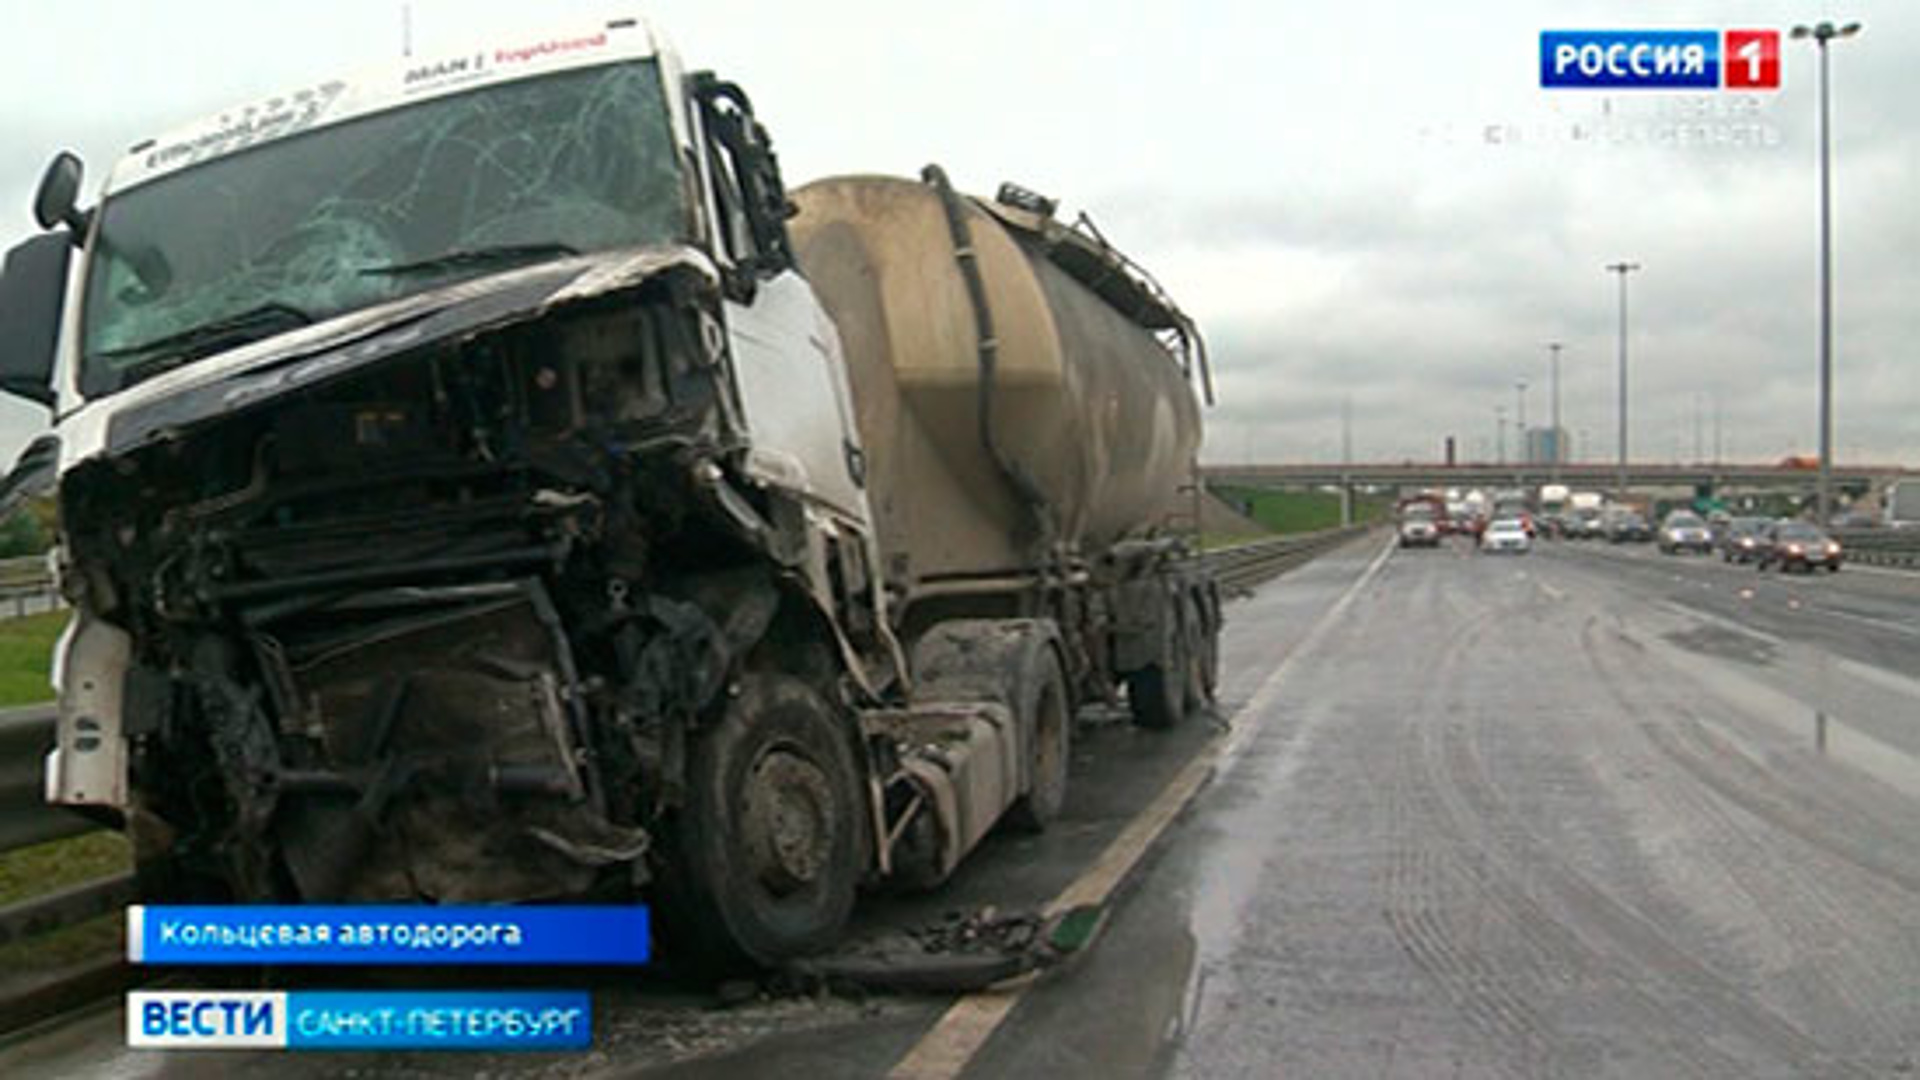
(787, 361)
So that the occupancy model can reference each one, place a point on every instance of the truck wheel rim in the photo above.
(786, 821)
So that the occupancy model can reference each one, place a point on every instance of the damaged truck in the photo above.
(485, 481)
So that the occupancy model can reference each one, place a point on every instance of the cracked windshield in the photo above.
(377, 208)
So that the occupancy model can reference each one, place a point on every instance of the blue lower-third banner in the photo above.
(361, 1020)
(387, 934)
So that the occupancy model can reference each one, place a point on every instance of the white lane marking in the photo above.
(1552, 593)
(1881, 677)
(1729, 625)
(1883, 624)
(1883, 571)
(950, 1045)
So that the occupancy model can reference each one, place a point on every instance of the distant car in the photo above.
(1684, 531)
(1419, 530)
(1585, 525)
(1742, 539)
(1792, 545)
(1517, 512)
(1506, 534)
(1627, 527)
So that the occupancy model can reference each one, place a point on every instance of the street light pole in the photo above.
(1559, 440)
(1346, 461)
(1821, 34)
(1499, 434)
(1623, 269)
(1520, 422)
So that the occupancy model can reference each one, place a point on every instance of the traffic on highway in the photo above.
(1511, 520)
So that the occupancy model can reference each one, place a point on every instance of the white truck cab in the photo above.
(434, 280)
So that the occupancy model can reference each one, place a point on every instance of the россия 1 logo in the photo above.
(1659, 59)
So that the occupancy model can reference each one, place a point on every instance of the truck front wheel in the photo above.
(1041, 692)
(769, 844)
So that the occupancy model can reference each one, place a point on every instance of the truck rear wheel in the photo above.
(1203, 651)
(770, 844)
(1156, 699)
(1157, 693)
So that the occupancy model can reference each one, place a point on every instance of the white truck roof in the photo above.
(563, 44)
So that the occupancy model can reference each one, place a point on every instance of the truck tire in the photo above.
(1043, 707)
(769, 848)
(1157, 693)
(1155, 700)
(1203, 664)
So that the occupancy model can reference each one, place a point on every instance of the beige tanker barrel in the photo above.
(1087, 403)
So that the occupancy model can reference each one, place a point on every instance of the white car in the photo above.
(1506, 534)
(1684, 531)
(1419, 532)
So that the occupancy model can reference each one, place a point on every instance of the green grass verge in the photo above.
(26, 656)
(45, 868)
(1302, 511)
(56, 864)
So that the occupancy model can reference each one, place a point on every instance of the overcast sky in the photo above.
(1370, 201)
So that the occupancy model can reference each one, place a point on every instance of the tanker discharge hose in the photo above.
(989, 354)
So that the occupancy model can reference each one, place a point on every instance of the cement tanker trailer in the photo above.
(475, 488)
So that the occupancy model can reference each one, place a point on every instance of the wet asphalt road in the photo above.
(1556, 815)
(1590, 812)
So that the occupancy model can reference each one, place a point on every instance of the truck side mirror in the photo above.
(33, 291)
(57, 201)
(729, 119)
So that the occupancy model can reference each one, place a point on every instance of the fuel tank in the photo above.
(1093, 418)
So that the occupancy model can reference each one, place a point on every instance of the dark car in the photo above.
(1741, 540)
(1797, 545)
(1628, 527)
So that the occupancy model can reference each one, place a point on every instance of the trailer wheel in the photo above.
(769, 845)
(1046, 711)
(1203, 653)
(1157, 693)
(1155, 700)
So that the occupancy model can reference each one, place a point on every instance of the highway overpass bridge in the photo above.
(1854, 479)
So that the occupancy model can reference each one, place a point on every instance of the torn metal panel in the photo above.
(253, 375)
(958, 763)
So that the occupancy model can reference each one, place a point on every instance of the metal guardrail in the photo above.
(1897, 548)
(26, 734)
(29, 600)
(1244, 566)
(26, 587)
